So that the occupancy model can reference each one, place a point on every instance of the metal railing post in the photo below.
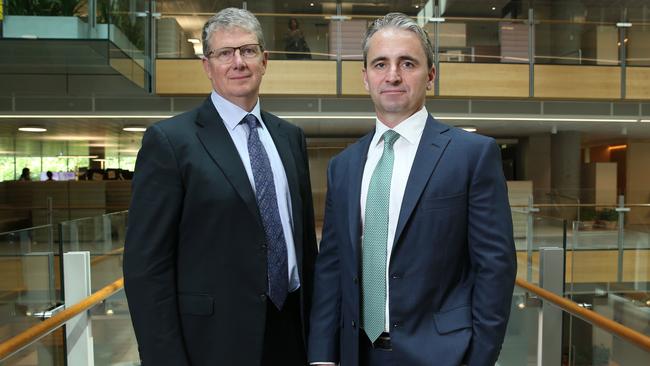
(551, 278)
(621, 209)
(78, 329)
(530, 212)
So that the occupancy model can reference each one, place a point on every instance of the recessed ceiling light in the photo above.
(494, 8)
(311, 4)
(194, 40)
(32, 129)
(134, 128)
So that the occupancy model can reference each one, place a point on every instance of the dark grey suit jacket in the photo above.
(194, 260)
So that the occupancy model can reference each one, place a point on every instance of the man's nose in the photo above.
(237, 59)
(393, 74)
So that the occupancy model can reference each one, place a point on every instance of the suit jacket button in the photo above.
(263, 297)
(355, 280)
(354, 325)
(395, 325)
(396, 276)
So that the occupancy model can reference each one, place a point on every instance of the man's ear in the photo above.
(431, 77)
(206, 67)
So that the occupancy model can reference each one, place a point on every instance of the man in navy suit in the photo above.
(417, 262)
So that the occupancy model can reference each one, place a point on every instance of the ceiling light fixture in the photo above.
(32, 129)
(134, 128)
(494, 8)
(193, 40)
(77, 156)
(616, 147)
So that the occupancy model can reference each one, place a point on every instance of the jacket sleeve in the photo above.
(150, 252)
(326, 308)
(492, 256)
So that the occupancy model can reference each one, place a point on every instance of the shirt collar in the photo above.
(410, 129)
(232, 114)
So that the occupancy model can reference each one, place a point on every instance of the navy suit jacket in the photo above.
(453, 263)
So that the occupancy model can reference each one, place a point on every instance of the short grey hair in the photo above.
(403, 22)
(231, 18)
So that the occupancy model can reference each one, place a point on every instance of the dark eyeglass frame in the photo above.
(214, 53)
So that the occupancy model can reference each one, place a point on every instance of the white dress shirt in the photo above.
(232, 115)
(405, 147)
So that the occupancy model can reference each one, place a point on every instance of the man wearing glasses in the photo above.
(220, 246)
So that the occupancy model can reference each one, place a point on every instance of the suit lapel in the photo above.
(285, 150)
(217, 142)
(432, 145)
(357, 163)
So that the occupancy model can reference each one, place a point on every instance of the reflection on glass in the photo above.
(114, 341)
(103, 236)
(30, 282)
(49, 350)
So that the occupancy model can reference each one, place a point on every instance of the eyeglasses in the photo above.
(226, 54)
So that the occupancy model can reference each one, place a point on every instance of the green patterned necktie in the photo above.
(375, 238)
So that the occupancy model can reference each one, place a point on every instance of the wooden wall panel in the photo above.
(186, 77)
(577, 82)
(637, 83)
(292, 77)
(352, 78)
(181, 77)
(486, 80)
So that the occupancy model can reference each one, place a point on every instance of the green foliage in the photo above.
(608, 214)
(116, 12)
(587, 214)
(44, 7)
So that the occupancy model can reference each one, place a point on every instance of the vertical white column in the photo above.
(551, 278)
(79, 339)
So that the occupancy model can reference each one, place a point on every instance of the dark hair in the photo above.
(403, 22)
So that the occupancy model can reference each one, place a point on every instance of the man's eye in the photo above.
(380, 65)
(248, 51)
(408, 65)
(224, 53)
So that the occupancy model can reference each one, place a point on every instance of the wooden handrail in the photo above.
(112, 253)
(590, 316)
(40, 330)
(47, 326)
(627, 205)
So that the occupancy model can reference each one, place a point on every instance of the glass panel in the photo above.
(636, 260)
(29, 262)
(103, 236)
(589, 345)
(485, 40)
(531, 232)
(576, 42)
(114, 341)
(298, 37)
(49, 351)
(46, 19)
(638, 43)
(520, 344)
